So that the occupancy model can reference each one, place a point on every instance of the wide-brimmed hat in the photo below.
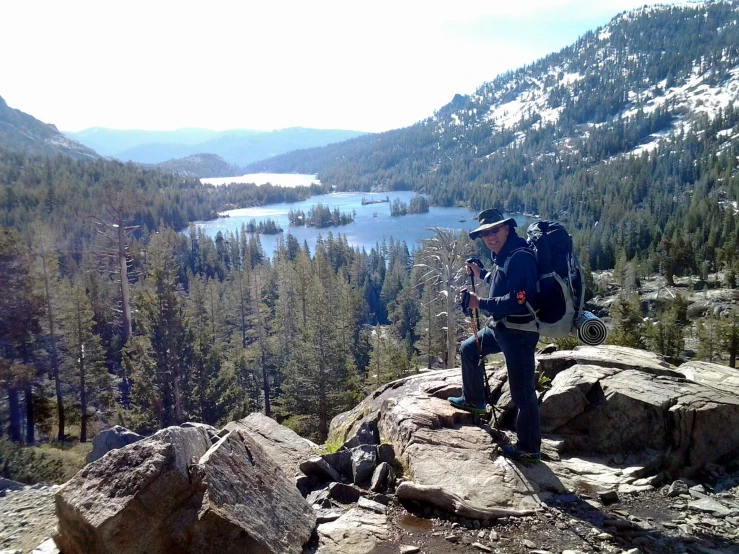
(489, 219)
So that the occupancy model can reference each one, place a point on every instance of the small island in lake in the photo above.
(379, 201)
(320, 216)
(418, 205)
(266, 227)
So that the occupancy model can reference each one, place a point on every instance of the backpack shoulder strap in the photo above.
(526, 249)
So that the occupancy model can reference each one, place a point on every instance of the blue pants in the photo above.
(518, 348)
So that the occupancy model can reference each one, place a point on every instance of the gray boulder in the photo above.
(357, 531)
(718, 376)
(174, 492)
(319, 468)
(111, 439)
(366, 433)
(617, 357)
(343, 493)
(381, 478)
(606, 410)
(341, 461)
(364, 461)
(283, 445)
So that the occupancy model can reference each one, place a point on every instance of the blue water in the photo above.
(366, 231)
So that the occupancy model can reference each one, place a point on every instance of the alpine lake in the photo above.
(372, 220)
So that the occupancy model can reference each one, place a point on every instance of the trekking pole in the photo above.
(476, 328)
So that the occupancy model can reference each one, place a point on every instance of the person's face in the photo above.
(495, 238)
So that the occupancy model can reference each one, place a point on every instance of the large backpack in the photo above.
(560, 289)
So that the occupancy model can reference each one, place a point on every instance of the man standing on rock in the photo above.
(511, 329)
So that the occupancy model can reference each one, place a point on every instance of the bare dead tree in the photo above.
(114, 227)
(442, 258)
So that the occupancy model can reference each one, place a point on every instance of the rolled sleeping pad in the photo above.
(590, 329)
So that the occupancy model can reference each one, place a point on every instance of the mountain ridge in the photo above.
(561, 91)
(21, 132)
(238, 147)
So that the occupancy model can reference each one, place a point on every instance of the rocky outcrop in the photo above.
(111, 439)
(605, 410)
(614, 418)
(175, 492)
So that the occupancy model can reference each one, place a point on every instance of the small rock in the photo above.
(709, 505)
(409, 549)
(677, 488)
(368, 504)
(46, 547)
(604, 537)
(482, 547)
(449, 538)
(385, 453)
(320, 468)
(493, 536)
(632, 551)
(345, 494)
(608, 497)
(382, 499)
(380, 477)
(326, 516)
(685, 529)
(528, 544)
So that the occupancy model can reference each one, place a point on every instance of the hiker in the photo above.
(511, 329)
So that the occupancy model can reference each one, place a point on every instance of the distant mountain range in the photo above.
(238, 147)
(20, 132)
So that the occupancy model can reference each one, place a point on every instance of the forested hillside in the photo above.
(628, 136)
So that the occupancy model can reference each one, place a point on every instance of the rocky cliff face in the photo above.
(620, 426)
(21, 132)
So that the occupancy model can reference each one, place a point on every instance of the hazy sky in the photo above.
(270, 64)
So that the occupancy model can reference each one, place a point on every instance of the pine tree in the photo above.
(429, 329)
(20, 313)
(83, 354)
(627, 328)
(728, 336)
(48, 270)
(163, 320)
(707, 338)
(666, 334)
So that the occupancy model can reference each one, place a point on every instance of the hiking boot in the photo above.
(512, 452)
(462, 404)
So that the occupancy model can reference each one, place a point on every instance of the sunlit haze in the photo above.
(366, 66)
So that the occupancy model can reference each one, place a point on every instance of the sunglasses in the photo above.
(489, 232)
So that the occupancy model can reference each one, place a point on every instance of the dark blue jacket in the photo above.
(510, 290)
